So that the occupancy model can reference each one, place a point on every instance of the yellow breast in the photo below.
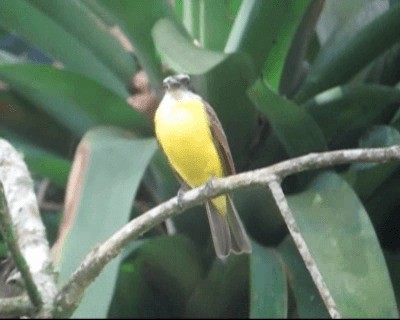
(182, 129)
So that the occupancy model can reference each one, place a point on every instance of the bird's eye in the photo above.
(185, 80)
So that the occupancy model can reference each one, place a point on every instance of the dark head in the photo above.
(177, 81)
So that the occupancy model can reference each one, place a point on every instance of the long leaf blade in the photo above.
(92, 33)
(23, 18)
(93, 103)
(268, 287)
(107, 170)
(353, 55)
(345, 248)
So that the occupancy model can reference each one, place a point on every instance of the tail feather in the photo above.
(239, 239)
(219, 231)
(227, 231)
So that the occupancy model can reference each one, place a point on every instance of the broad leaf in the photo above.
(92, 33)
(137, 18)
(307, 299)
(75, 101)
(290, 123)
(344, 112)
(163, 269)
(224, 291)
(30, 23)
(345, 248)
(352, 55)
(366, 178)
(105, 176)
(268, 287)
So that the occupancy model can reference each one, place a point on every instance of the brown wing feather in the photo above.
(221, 141)
(237, 240)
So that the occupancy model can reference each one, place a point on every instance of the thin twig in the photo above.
(301, 245)
(70, 295)
(7, 229)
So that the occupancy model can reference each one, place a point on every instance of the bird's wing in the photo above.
(220, 138)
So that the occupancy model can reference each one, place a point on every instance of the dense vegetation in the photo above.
(286, 78)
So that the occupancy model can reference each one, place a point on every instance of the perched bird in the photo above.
(193, 140)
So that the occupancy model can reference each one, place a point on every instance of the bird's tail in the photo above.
(227, 229)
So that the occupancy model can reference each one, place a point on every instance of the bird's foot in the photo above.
(179, 196)
(210, 185)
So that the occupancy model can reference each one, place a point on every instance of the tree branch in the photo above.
(70, 295)
(29, 231)
(16, 307)
(7, 230)
(301, 245)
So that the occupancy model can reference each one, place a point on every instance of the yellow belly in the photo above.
(183, 131)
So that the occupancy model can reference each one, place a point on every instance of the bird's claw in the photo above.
(180, 198)
(210, 185)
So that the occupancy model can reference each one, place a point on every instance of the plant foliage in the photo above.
(79, 83)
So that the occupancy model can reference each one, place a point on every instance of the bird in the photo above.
(191, 136)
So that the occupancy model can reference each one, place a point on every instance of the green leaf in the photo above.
(91, 33)
(190, 18)
(75, 101)
(260, 214)
(256, 18)
(29, 22)
(224, 292)
(352, 55)
(290, 123)
(393, 262)
(341, 21)
(343, 113)
(177, 257)
(106, 173)
(23, 119)
(284, 38)
(42, 162)
(268, 287)
(101, 12)
(309, 304)
(383, 203)
(366, 178)
(45, 163)
(171, 267)
(178, 9)
(137, 19)
(345, 248)
(179, 52)
(304, 46)
(133, 293)
(214, 24)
